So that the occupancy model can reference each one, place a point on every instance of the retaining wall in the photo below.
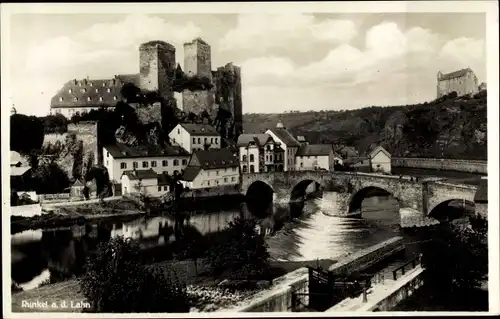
(469, 166)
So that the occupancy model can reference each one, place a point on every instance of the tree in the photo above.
(457, 260)
(115, 280)
(78, 160)
(240, 252)
(49, 178)
(101, 176)
(26, 133)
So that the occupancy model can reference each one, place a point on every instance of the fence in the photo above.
(402, 269)
(54, 197)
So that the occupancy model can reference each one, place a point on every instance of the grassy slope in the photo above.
(453, 127)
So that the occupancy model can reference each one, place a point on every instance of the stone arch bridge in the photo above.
(352, 187)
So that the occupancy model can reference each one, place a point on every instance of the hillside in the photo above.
(450, 127)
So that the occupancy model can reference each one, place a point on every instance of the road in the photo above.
(450, 176)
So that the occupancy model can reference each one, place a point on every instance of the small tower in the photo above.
(198, 58)
(439, 75)
(157, 67)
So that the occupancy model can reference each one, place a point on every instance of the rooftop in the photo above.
(259, 139)
(216, 158)
(119, 150)
(200, 129)
(15, 158)
(455, 74)
(285, 136)
(141, 174)
(315, 150)
(190, 173)
(18, 171)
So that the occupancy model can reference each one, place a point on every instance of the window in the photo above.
(135, 164)
(164, 163)
(252, 158)
(217, 181)
(107, 163)
(199, 140)
(216, 141)
(208, 183)
(178, 131)
(100, 98)
(123, 165)
(153, 163)
(89, 98)
(109, 90)
(145, 164)
(244, 158)
(75, 99)
(301, 164)
(270, 158)
(70, 91)
(234, 169)
(205, 140)
(217, 172)
(84, 90)
(211, 140)
(194, 140)
(244, 169)
(60, 99)
(96, 90)
(165, 188)
(184, 162)
(91, 84)
(225, 169)
(252, 169)
(159, 188)
(267, 158)
(107, 154)
(115, 98)
(176, 162)
(103, 83)
(268, 147)
(225, 179)
(233, 178)
(208, 173)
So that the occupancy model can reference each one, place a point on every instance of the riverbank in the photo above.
(196, 278)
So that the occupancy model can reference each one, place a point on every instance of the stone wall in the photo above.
(481, 209)
(157, 67)
(148, 113)
(86, 132)
(197, 101)
(480, 167)
(439, 192)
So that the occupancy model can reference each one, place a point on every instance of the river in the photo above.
(59, 253)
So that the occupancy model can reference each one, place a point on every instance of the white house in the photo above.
(192, 137)
(118, 158)
(288, 143)
(211, 168)
(315, 157)
(146, 182)
(380, 160)
(259, 153)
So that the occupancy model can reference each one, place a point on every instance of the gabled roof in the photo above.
(482, 192)
(141, 174)
(119, 150)
(164, 179)
(77, 183)
(314, 150)
(285, 137)
(15, 158)
(190, 173)
(455, 74)
(19, 171)
(200, 129)
(378, 149)
(216, 158)
(355, 160)
(93, 89)
(258, 139)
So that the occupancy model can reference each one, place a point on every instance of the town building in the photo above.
(20, 172)
(119, 158)
(144, 181)
(375, 160)
(76, 190)
(194, 137)
(259, 153)
(315, 157)
(211, 168)
(462, 81)
(287, 142)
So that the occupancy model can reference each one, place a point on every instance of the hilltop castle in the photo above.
(157, 71)
(462, 81)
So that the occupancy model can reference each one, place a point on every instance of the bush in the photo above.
(240, 252)
(116, 281)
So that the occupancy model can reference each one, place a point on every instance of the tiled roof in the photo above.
(119, 150)
(18, 171)
(315, 150)
(374, 150)
(482, 192)
(216, 158)
(77, 183)
(285, 136)
(258, 139)
(301, 138)
(200, 129)
(354, 160)
(164, 179)
(190, 173)
(89, 92)
(141, 174)
(456, 74)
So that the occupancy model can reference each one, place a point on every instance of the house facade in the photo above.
(259, 153)
(195, 137)
(380, 160)
(118, 158)
(315, 157)
(287, 142)
(211, 168)
(462, 81)
(146, 182)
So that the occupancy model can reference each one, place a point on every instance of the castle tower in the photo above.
(157, 67)
(198, 58)
(198, 62)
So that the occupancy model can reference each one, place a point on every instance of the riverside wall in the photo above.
(468, 166)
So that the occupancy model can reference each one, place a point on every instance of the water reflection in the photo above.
(299, 231)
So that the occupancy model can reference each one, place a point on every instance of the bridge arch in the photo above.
(359, 195)
(298, 189)
(451, 209)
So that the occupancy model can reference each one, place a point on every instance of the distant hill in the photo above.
(449, 127)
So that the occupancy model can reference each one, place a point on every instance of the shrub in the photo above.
(116, 281)
(240, 252)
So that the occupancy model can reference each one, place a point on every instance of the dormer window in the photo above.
(75, 99)
(109, 90)
(100, 98)
(96, 90)
(70, 91)
(60, 99)
(103, 83)
(115, 98)
(91, 84)
(89, 98)
(84, 90)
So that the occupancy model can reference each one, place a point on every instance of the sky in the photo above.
(289, 62)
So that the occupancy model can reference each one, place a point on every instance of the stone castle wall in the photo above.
(480, 167)
(198, 59)
(198, 101)
(157, 67)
